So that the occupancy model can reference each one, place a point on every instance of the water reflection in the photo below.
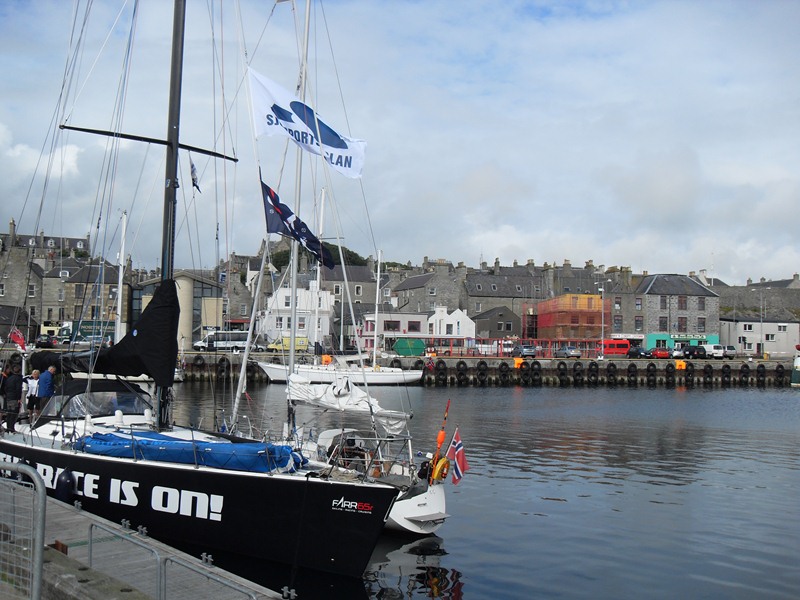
(588, 493)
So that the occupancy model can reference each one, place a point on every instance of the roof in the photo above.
(414, 282)
(505, 286)
(672, 285)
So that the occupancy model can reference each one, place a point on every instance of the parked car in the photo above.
(660, 353)
(524, 350)
(694, 352)
(567, 352)
(45, 341)
(730, 352)
(638, 352)
(677, 353)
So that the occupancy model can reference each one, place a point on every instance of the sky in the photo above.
(659, 135)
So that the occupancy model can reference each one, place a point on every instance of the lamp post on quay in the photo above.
(761, 310)
(602, 291)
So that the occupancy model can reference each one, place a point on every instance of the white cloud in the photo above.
(658, 135)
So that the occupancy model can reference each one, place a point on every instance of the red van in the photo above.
(616, 347)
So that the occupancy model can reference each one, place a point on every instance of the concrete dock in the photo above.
(125, 564)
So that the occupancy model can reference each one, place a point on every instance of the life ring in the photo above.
(461, 366)
(441, 469)
(504, 367)
(482, 366)
(396, 364)
(198, 360)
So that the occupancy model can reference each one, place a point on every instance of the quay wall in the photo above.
(503, 371)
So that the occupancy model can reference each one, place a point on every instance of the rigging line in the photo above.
(100, 52)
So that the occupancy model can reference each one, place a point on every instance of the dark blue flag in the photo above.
(281, 220)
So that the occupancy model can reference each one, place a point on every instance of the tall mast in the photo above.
(171, 177)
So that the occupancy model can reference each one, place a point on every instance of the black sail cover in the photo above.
(149, 348)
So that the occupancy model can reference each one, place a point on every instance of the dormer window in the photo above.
(478, 287)
(519, 288)
(80, 245)
(494, 287)
(31, 241)
(63, 274)
(51, 243)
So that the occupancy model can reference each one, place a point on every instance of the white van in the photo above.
(225, 341)
(714, 350)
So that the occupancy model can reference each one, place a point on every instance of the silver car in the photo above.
(567, 352)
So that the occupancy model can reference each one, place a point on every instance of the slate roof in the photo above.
(414, 282)
(505, 286)
(672, 285)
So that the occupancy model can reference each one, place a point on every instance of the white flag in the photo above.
(277, 111)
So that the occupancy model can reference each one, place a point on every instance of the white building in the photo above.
(314, 310)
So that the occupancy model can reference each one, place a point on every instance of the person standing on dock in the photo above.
(33, 403)
(13, 389)
(47, 385)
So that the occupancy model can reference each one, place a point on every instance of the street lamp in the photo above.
(761, 309)
(602, 291)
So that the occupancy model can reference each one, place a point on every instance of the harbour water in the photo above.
(582, 493)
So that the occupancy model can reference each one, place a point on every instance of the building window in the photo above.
(683, 324)
(95, 312)
(499, 326)
(301, 323)
(508, 325)
(747, 327)
(80, 245)
(287, 301)
(519, 288)
(61, 294)
(77, 311)
(391, 325)
(617, 303)
(61, 313)
(769, 337)
(638, 323)
(782, 328)
(414, 327)
(478, 287)
(448, 329)
(79, 290)
(683, 303)
(2, 289)
(573, 319)
(617, 324)
(32, 311)
(279, 323)
(638, 304)
(701, 324)
(63, 274)
(337, 290)
(663, 300)
(430, 328)
(701, 303)
(31, 290)
(358, 290)
(477, 307)
(494, 287)
(431, 291)
(663, 324)
(49, 314)
(51, 244)
(242, 309)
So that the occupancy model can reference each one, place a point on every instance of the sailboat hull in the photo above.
(332, 373)
(243, 513)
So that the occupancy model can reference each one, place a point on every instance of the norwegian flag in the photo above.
(15, 335)
(457, 457)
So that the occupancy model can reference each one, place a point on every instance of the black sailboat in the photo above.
(105, 444)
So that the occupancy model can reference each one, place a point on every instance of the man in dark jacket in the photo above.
(13, 389)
